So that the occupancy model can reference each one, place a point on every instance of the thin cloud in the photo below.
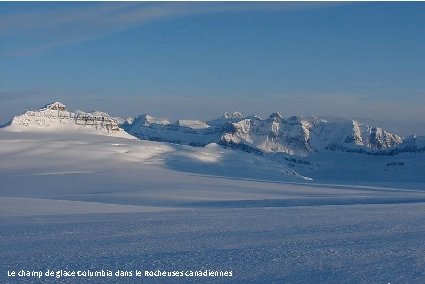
(32, 32)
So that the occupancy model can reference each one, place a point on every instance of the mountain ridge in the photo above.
(293, 135)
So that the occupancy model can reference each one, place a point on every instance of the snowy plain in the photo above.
(81, 200)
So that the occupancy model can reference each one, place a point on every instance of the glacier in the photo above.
(275, 200)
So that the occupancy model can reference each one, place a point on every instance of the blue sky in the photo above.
(197, 60)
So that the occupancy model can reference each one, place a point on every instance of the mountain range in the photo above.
(309, 147)
(294, 135)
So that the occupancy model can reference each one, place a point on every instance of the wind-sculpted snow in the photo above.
(328, 244)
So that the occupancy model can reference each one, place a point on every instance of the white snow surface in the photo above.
(78, 200)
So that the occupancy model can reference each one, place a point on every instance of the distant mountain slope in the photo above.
(187, 132)
(292, 135)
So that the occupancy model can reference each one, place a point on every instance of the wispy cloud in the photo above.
(29, 32)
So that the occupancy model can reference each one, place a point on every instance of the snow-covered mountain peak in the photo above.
(55, 116)
(356, 123)
(234, 114)
(148, 119)
(53, 106)
(275, 116)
